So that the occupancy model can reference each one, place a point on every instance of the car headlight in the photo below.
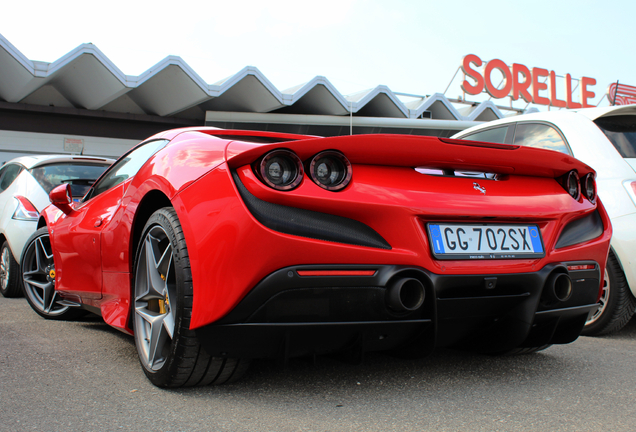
(281, 170)
(330, 170)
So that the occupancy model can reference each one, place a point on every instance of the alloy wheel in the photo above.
(5, 268)
(38, 274)
(155, 295)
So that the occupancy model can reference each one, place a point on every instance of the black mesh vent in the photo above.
(311, 224)
(581, 230)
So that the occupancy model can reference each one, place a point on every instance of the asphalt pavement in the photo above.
(85, 376)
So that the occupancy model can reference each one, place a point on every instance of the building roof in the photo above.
(86, 79)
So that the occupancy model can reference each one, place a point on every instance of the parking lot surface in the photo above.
(85, 376)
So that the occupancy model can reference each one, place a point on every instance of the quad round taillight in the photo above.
(330, 170)
(281, 169)
(572, 185)
(589, 187)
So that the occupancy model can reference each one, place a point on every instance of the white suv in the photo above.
(605, 139)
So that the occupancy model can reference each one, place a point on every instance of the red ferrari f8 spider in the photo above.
(214, 247)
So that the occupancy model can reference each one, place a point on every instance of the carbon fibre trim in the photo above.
(311, 224)
(581, 230)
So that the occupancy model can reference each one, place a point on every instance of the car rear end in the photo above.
(431, 242)
(618, 124)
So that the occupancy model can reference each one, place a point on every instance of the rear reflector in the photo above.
(336, 272)
(581, 267)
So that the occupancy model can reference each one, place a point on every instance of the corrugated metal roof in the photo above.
(85, 78)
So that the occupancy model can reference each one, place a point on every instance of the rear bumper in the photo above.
(288, 315)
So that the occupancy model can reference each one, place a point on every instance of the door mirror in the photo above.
(61, 198)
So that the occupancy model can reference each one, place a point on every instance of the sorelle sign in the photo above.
(522, 82)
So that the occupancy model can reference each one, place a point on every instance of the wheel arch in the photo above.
(41, 223)
(627, 272)
(4, 238)
(150, 203)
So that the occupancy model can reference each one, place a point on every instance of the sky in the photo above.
(411, 46)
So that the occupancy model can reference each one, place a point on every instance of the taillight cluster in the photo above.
(576, 186)
(589, 187)
(283, 170)
(25, 210)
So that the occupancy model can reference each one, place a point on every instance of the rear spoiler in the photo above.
(423, 152)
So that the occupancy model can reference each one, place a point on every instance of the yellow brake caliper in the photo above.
(163, 302)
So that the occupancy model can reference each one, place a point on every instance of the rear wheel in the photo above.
(9, 273)
(169, 352)
(616, 305)
(38, 279)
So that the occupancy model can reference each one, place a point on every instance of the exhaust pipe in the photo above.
(405, 295)
(558, 288)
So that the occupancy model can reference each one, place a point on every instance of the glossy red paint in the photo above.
(60, 196)
(116, 303)
(77, 244)
(413, 151)
(230, 251)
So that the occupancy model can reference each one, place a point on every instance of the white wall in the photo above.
(14, 144)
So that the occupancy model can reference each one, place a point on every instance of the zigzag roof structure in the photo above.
(86, 79)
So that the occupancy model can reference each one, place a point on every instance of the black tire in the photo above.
(9, 273)
(617, 303)
(162, 304)
(38, 279)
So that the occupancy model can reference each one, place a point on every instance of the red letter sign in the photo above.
(479, 85)
(490, 88)
(585, 93)
(536, 86)
(568, 93)
(530, 87)
(521, 88)
(554, 101)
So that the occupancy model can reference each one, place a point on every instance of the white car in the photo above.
(605, 139)
(25, 183)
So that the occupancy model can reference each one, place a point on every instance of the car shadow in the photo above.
(444, 369)
(96, 323)
(380, 370)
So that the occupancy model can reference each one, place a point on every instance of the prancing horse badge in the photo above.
(479, 188)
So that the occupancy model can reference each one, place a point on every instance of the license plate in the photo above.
(485, 241)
